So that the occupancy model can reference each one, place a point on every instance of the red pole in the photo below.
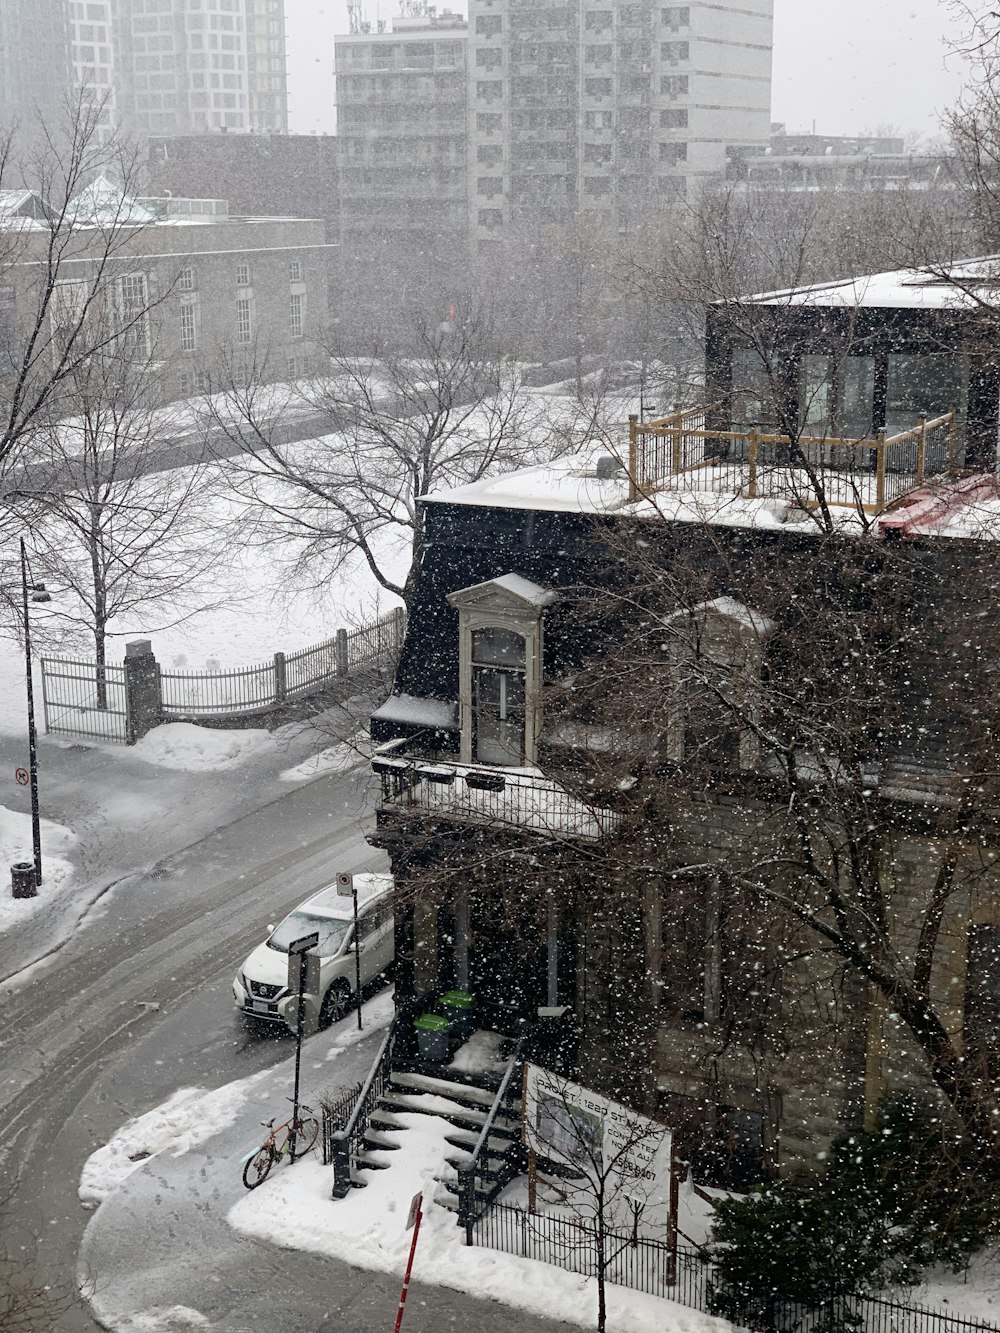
(409, 1270)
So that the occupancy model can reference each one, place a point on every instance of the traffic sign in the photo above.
(21, 777)
(416, 1203)
(345, 885)
(304, 944)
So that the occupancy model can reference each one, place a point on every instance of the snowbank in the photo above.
(185, 1120)
(57, 871)
(195, 749)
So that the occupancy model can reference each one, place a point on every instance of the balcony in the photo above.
(679, 453)
(417, 781)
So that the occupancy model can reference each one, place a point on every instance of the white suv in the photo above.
(260, 988)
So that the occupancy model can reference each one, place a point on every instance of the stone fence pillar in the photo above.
(143, 695)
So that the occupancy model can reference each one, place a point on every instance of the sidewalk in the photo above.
(162, 1255)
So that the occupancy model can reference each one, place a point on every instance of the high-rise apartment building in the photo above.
(549, 110)
(190, 66)
(401, 122)
(160, 66)
(602, 109)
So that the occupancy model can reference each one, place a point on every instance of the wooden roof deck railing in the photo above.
(678, 452)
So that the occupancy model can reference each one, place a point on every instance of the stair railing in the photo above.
(469, 1210)
(345, 1144)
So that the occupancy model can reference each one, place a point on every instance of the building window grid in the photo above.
(244, 320)
(189, 327)
(243, 275)
(296, 313)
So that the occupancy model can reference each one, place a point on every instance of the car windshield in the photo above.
(331, 933)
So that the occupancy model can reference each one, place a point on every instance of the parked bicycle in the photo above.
(258, 1165)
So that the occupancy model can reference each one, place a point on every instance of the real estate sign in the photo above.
(607, 1143)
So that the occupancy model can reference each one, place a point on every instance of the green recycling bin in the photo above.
(432, 1037)
(459, 1007)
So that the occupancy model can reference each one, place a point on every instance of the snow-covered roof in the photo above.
(411, 710)
(730, 609)
(567, 484)
(103, 204)
(949, 288)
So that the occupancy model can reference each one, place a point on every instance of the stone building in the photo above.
(218, 294)
(677, 772)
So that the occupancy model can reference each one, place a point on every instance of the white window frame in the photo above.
(494, 605)
(243, 275)
(244, 320)
(189, 326)
(296, 315)
(133, 312)
(732, 639)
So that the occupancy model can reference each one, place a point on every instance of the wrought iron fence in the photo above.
(485, 795)
(83, 699)
(689, 1277)
(346, 1143)
(335, 1115)
(205, 694)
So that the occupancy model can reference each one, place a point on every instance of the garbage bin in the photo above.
(432, 1037)
(22, 880)
(459, 1007)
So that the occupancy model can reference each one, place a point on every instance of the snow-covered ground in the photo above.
(293, 1208)
(57, 869)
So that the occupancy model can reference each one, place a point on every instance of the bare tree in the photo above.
(612, 1175)
(61, 270)
(449, 409)
(806, 683)
(116, 529)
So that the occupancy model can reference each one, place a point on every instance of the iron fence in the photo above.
(83, 699)
(204, 693)
(335, 1115)
(375, 642)
(486, 795)
(689, 1277)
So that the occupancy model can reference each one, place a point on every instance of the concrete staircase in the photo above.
(463, 1101)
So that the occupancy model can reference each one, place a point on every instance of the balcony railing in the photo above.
(679, 453)
(416, 780)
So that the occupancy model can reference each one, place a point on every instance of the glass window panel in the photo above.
(921, 386)
(816, 394)
(498, 647)
(857, 394)
(752, 398)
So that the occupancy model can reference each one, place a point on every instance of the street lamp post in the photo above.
(36, 827)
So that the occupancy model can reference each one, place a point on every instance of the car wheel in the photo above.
(335, 1003)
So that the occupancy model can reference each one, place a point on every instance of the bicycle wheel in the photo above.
(307, 1134)
(257, 1168)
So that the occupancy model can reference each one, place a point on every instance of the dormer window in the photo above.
(716, 656)
(500, 668)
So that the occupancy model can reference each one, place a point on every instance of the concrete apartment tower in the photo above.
(163, 66)
(191, 66)
(604, 109)
(402, 128)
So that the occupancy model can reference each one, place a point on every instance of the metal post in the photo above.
(357, 951)
(36, 828)
(633, 457)
(299, 1016)
(921, 449)
(409, 1268)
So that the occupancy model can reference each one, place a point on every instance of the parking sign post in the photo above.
(299, 947)
(345, 886)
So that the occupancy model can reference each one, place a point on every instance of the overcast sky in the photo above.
(848, 65)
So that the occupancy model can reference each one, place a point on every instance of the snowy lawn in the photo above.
(57, 871)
